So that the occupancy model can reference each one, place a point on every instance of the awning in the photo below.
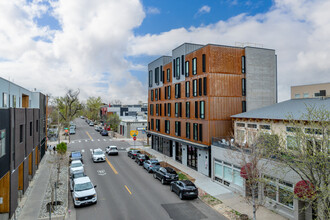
(200, 146)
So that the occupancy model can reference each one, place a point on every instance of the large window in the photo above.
(243, 64)
(159, 94)
(187, 68)
(196, 109)
(156, 94)
(243, 87)
(195, 87)
(187, 89)
(157, 76)
(204, 85)
(5, 100)
(202, 109)
(243, 106)
(2, 142)
(279, 191)
(21, 133)
(178, 152)
(157, 125)
(200, 136)
(177, 68)
(227, 173)
(187, 109)
(152, 95)
(176, 109)
(152, 124)
(200, 86)
(192, 157)
(188, 130)
(165, 106)
(157, 109)
(180, 109)
(195, 131)
(151, 110)
(31, 129)
(194, 66)
(178, 90)
(167, 126)
(14, 101)
(168, 74)
(169, 92)
(165, 92)
(150, 78)
(178, 128)
(168, 109)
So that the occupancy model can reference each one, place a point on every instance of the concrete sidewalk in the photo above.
(31, 204)
(229, 198)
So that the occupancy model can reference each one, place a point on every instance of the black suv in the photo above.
(166, 175)
(140, 158)
(133, 153)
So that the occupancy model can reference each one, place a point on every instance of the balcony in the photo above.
(228, 143)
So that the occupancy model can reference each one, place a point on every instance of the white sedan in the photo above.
(98, 155)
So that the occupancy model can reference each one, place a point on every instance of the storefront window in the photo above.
(192, 157)
(178, 152)
(228, 172)
(238, 180)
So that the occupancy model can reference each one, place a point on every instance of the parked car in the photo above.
(185, 189)
(166, 175)
(133, 153)
(140, 158)
(91, 123)
(151, 165)
(98, 155)
(111, 150)
(104, 133)
(76, 155)
(74, 176)
(72, 130)
(98, 128)
(83, 192)
(76, 166)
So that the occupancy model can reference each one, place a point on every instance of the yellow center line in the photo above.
(112, 167)
(128, 190)
(89, 135)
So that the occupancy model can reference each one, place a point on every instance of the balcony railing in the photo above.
(228, 143)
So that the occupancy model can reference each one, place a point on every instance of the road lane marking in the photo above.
(98, 139)
(85, 140)
(79, 141)
(112, 167)
(128, 190)
(89, 135)
(104, 139)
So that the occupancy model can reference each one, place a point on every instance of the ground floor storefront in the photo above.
(192, 155)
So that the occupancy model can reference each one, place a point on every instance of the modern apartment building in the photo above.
(193, 93)
(22, 141)
(125, 110)
(310, 91)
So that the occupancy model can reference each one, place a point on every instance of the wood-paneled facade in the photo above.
(211, 82)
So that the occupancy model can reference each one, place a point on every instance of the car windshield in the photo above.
(98, 152)
(156, 163)
(113, 148)
(170, 170)
(188, 183)
(83, 186)
(142, 156)
(136, 151)
(76, 154)
(77, 175)
(76, 165)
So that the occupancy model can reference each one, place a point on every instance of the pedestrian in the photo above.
(54, 149)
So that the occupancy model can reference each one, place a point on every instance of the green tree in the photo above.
(93, 106)
(307, 153)
(114, 121)
(68, 106)
(61, 148)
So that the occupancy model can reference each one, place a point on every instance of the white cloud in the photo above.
(203, 10)
(89, 50)
(299, 31)
(153, 10)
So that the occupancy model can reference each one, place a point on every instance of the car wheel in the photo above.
(149, 171)
(181, 196)
(171, 188)
(155, 176)
(163, 181)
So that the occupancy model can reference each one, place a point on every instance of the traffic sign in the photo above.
(134, 133)
(134, 138)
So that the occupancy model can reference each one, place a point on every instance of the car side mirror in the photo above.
(95, 186)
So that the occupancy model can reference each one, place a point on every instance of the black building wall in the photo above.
(20, 140)
(5, 125)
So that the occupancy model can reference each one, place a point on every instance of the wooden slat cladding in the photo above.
(220, 128)
(225, 85)
(4, 192)
(221, 108)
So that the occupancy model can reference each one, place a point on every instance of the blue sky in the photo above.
(103, 47)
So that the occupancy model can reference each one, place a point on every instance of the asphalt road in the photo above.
(125, 190)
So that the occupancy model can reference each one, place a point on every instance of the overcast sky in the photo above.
(103, 47)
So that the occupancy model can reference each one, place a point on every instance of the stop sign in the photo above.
(134, 138)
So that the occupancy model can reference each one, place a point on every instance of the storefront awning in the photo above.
(200, 146)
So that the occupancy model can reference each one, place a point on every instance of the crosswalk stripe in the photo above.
(85, 140)
(104, 139)
(79, 141)
(98, 139)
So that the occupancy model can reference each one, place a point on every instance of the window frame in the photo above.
(194, 66)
